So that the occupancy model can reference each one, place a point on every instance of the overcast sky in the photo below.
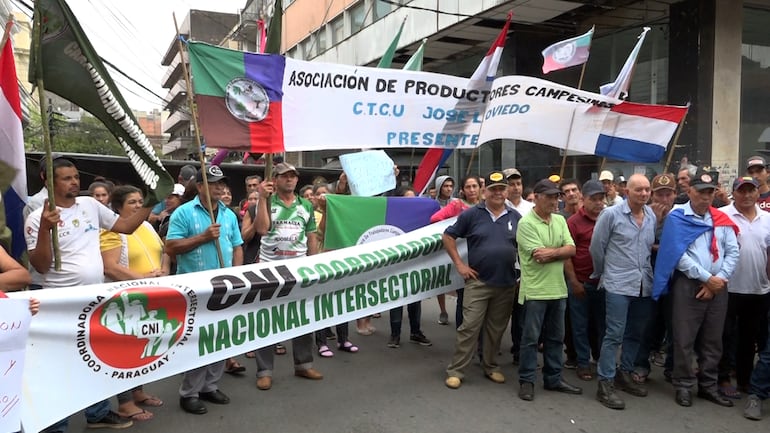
(135, 34)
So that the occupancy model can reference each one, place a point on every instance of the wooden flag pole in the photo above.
(676, 140)
(36, 49)
(201, 151)
(566, 146)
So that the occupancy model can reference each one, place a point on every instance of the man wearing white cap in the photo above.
(611, 198)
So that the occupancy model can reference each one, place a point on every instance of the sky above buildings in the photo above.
(134, 35)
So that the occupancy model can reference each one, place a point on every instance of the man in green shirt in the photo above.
(544, 244)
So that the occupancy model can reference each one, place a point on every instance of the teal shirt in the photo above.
(191, 219)
(542, 281)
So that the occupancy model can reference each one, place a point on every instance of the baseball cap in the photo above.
(495, 178)
(284, 167)
(620, 179)
(755, 160)
(213, 174)
(606, 175)
(703, 180)
(746, 180)
(187, 172)
(664, 181)
(511, 172)
(178, 190)
(546, 187)
(592, 187)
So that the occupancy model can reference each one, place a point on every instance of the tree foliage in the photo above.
(88, 135)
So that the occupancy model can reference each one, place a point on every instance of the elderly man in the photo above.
(490, 278)
(697, 256)
(620, 249)
(544, 245)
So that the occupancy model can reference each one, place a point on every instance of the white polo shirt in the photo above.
(750, 277)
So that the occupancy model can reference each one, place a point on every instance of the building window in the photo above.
(321, 40)
(338, 30)
(381, 9)
(755, 73)
(357, 16)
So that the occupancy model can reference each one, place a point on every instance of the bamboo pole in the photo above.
(201, 151)
(566, 147)
(676, 140)
(36, 49)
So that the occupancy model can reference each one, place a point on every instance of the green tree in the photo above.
(88, 135)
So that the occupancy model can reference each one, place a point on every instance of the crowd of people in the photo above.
(605, 277)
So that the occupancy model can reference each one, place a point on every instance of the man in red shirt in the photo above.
(585, 301)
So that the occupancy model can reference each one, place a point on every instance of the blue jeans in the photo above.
(414, 310)
(94, 413)
(547, 316)
(626, 321)
(587, 315)
(760, 377)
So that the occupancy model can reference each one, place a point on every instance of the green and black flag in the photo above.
(70, 67)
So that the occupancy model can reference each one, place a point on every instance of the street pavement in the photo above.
(385, 390)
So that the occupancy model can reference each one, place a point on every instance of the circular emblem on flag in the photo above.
(379, 232)
(706, 178)
(565, 53)
(246, 100)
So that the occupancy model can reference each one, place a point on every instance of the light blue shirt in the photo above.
(697, 262)
(620, 250)
(191, 219)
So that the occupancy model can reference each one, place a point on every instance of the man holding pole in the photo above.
(197, 250)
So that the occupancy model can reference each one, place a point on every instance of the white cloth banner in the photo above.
(531, 109)
(14, 328)
(112, 337)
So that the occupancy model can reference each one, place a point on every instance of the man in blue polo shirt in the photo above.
(191, 237)
(490, 278)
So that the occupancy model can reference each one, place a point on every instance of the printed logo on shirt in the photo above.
(137, 329)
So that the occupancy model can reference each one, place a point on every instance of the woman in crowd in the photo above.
(130, 257)
(101, 192)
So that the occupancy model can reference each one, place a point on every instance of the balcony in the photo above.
(179, 145)
(176, 97)
(177, 120)
(173, 73)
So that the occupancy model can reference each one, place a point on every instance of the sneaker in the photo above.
(443, 319)
(753, 409)
(659, 359)
(420, 339)
(111, 420)
(394, 342)
(571, 364)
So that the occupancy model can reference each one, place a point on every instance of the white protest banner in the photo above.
(14, 327)
(369, 172)
(531, 109)
(269, 103)
(112, 337)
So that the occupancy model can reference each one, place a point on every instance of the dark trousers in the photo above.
(745, 328)
(694, 319)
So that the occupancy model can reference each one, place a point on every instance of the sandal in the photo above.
(234, 367)
(280, 349)
(348, 347)
(142, 415)
(251, 355)
(376, 315)
(151, 401)
(325, 352)
(365, 331)
(584, 373)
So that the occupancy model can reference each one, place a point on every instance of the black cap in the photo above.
(495, 178)
(213, 174)
(592, 187)
(703, 180)
(546, 187)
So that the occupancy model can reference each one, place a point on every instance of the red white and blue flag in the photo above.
(481, 79)
(12, 148)
(638, 132)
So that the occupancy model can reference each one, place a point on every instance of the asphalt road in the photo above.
(384, 390)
